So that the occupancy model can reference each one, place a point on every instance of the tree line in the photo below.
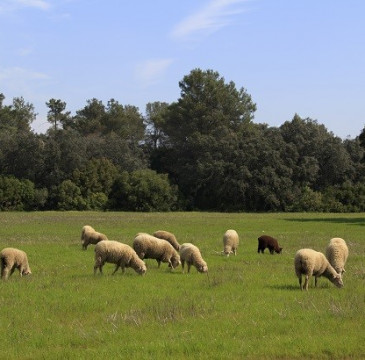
(202, 152)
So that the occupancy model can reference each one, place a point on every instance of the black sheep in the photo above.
(266, 241)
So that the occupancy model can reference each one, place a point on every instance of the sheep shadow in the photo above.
(295, 287)
(341, 220)
(284, 287)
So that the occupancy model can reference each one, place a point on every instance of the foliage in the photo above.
(97, 176)
(16, 117)
(203, 127)
(56, 114)
(69, 197)
(154, 120)
(142, 190)
(205, 146)
(16, 194)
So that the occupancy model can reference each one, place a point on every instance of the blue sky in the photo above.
(292, 56)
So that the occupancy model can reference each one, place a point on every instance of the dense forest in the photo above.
(202, 152)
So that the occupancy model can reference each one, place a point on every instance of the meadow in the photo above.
(250, 306)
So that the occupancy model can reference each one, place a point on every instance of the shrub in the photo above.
(16, 194)
(309, 200)
(142, 190)
(69, 197)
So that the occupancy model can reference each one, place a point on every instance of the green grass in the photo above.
(250, 306)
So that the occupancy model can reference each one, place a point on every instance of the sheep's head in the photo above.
(175, 261)
(203, 268)
(142, 269)
(337, 280)
(279, 251)
(26, 272)
(227, 250)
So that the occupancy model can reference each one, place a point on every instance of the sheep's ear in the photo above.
(343, 270)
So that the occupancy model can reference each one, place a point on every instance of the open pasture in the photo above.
(249, 307)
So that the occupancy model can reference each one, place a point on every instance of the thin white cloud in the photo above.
(17, 73)
(150, 71)
(25, 51)
(39, 4)
(14, 5)
(21, 81)
(214, 16)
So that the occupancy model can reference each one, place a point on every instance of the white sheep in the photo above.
(117, 253)
(165, 235)
(190, 254)
(150, 247)
(90, 236)
(337, 253)
(230, 242)
(12, 259)
(310, 262)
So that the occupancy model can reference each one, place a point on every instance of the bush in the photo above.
(69, 197)
(96, 201)
(16, 194)
(347, 197)
(142, 190)
(309, 200)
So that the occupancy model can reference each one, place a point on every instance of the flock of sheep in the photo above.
(163, 247)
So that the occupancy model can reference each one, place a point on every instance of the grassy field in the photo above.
(250, 306)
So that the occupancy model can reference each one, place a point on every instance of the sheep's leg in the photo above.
(183, 264)
(115, 270)
(300, 281)
(95, 269)
(306, 282)
(12, 270)
(315, 281)
(98, 266)
(189, 267)
(158, 262)
(5, 273)
(21, 270)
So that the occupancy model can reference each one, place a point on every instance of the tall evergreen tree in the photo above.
(204, 126)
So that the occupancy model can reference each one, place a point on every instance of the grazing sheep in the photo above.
(90, 236)
(310, 262)
(150, 247)
(266, 241)
(165, 235)
(230, 242)
(337, 253)
(12, 259)
(117, 253)
(191, 254)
